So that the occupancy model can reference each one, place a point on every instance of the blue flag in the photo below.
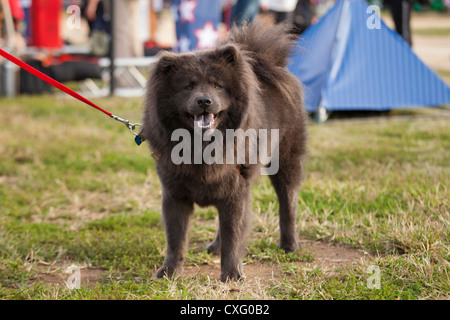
(197, 24)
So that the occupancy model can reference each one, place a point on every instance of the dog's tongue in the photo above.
(204, 121)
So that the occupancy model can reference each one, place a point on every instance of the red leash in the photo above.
(60, 86)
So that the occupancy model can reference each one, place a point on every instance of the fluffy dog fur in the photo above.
(246, 84)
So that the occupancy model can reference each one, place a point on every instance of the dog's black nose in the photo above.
(204, 101)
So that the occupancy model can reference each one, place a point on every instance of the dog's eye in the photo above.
(217, 85)
(189, 87)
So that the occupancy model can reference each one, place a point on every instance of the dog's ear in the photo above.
(167, 61)
(229, 53)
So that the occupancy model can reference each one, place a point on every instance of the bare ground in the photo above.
(326, 255)
(329, 256)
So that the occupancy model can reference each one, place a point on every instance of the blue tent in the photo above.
(348, 63)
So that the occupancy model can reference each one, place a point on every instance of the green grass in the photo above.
(432, 32)
(74, 189)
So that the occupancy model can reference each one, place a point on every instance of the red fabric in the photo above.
(45, 30)
(16, 9)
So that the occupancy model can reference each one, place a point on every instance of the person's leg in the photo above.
(401, 13)
(244, 10)
(279, 17)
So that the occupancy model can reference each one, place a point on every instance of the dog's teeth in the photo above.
(208, 118)
(204, 121)
(198, 117)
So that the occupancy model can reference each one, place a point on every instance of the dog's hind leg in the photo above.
(214, 247)
(286, 183)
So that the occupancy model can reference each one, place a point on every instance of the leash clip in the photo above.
(132, 127)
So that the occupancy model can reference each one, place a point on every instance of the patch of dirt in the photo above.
(329, 256)
(89, 277)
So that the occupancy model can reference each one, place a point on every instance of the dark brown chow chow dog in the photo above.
(241, 84)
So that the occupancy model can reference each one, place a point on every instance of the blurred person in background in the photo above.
(126, 41)
(282, 10)
(304, 15)
(15, 29)
(401, 13)
(244, 10)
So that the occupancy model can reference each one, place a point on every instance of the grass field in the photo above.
(75, 190)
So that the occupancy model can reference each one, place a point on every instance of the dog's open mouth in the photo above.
(205, 120)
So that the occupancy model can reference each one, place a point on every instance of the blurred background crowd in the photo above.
(66, 38)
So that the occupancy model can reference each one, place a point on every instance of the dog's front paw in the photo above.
(168, 272)
(232, 275)
(289, 246)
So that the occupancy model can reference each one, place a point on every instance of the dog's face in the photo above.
(201, 94)
(199, 89)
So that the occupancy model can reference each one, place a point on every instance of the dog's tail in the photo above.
(266, 43)
(269, 48)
